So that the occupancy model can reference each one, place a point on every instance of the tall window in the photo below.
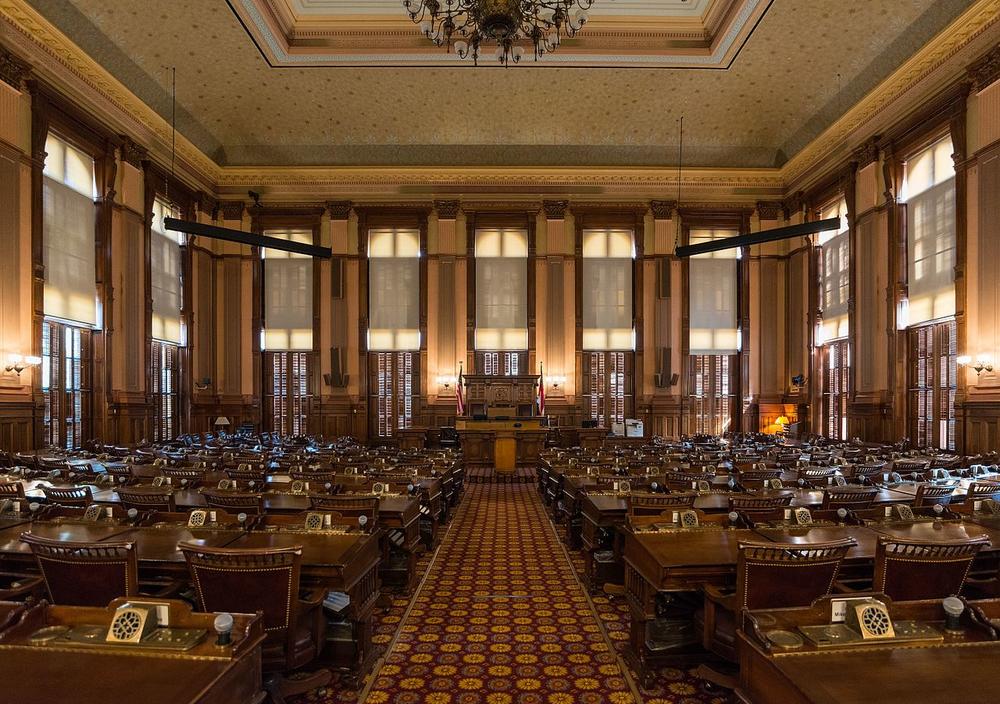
(289, 398)
(501, 289)
(607, 381)
(712, 297)
(393, 290)
(395, 387)
(929, 194)
(835, 249)
(837, 372)
(711, 403)
(164, 374)
(501, 363)
(933, 381)
(65, 384)
(70, 294)
(607, 290)
(287, 333)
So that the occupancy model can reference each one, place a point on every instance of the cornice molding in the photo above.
(769, 209)
(986, 71)
(983, 15)
(13, 71)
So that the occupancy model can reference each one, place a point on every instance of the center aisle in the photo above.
(501, 617)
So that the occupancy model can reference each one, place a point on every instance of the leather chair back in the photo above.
(234, 502)
(72, 496)
(147, 499)
(348, 506)
(85, 574)
(654, 504)
(749, 503)
(929, 495)
(769, 575)
(11, 490)
(851, 498)
(907, 570)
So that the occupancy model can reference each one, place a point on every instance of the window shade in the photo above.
(712, 297)
(393, 290)
(165, 271)
(288, 294)
(607, 290)
(836, 253)
(68, 222)
(501, 289)
(929, 192)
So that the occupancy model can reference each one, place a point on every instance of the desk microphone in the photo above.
(223, 628)
(242, 518)
(953, 610)
(733, 518)
(842, 513)
(132, 515)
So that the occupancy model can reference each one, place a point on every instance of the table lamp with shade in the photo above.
(221, 423)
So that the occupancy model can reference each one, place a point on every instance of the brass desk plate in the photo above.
(835, 635)
(160, 639)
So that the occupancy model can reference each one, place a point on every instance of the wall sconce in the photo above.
(984, 363)
(17, 363)
(445, 380)
(557, 381)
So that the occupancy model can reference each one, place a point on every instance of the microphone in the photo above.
(362, 521)
(132, 514)
(953, 610)
(841, 513)
(223, 628)
(733, 518)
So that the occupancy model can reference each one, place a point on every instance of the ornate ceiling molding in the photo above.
(13, 71)
(983, 16)
(63, 64)
(986, 71)
(663, 37)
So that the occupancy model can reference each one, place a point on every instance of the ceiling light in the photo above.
(467, 26)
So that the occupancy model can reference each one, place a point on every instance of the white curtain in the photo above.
(501, 290)
(165, 266)
(393, 290)
(288, 294)
(712, 297)
(836, 253)
(929, 192)
(607, 290)
(68, 227)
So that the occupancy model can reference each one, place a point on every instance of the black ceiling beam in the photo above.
(224, 233)
(780, 233)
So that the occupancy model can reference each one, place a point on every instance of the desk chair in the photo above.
(12, 490)
(654, 504)
(749, 503)
(265, 580)
(79, 496)
(121, 474)
(155, 499)
(929, 495)
(90, 574)
(978, 491)
(851, 498)
(234, 502)
(867, 473)
(183, 476)
(909, 570)
(768, 575)
(348, 507)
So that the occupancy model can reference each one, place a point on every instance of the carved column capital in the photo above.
(447, 209)
(339, 209)
(13, 70)
(206, 204)
(132, 153)
(663, 209)
(555, 209)
(232, 209)
(768, 209)
(867, 153)
(986, 70)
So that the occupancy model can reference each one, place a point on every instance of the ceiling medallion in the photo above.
(469, 26)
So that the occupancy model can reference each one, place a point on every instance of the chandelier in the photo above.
(469, 26)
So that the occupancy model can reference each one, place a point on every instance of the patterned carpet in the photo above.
(502, 619)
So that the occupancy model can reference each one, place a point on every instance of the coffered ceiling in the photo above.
(802, 64)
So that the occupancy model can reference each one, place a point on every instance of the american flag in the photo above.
(459, 398)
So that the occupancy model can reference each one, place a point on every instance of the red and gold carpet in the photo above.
(501, 618)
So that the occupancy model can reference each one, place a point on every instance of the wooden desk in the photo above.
(961, 668)
(501, 444)
(67, 672)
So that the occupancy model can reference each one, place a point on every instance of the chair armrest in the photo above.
(312, 596)
(723, 598)
(26, 587)
(162, 590)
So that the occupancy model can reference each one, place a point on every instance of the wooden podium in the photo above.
(501, 444)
